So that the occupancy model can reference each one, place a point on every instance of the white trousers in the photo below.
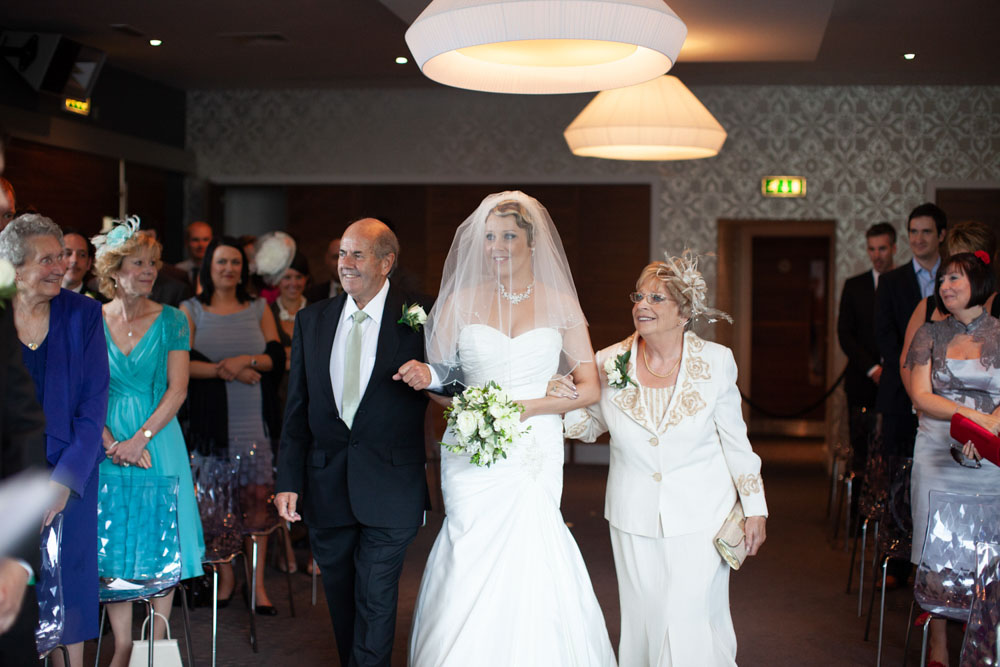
(674, 594)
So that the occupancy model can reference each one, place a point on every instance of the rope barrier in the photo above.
(798, 413)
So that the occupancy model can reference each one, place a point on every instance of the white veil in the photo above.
(471, 292)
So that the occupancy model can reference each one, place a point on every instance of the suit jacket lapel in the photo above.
(326, 331)
(914, 287)
(388, 340)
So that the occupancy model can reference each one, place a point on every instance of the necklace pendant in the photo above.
(129, 334)
(32, 346)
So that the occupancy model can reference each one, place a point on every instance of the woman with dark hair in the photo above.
(235, 356)
(291, 299)
(954, 368)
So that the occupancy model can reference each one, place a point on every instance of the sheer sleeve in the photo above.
(921, 347)
(175, 329)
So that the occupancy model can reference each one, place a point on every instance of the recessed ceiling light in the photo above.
(909, 56)
(402, 60)
(155, 42)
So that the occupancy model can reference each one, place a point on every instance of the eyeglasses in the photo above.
(652, 297)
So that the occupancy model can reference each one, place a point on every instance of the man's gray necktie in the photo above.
(352, 369)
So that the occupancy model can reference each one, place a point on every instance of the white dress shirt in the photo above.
(369, 343)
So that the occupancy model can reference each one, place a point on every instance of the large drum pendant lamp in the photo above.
(545, 46)
(656, 120)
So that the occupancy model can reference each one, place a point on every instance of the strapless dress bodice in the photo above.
(522, 365)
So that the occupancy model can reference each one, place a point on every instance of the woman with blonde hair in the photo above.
(680, 460)
(147, 345)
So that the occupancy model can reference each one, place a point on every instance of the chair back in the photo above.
(216, 486)
(875, 489)
(138, 546)
(946, 574)
(51, 611)
(895, 532)
(256, 486)
(980, 644)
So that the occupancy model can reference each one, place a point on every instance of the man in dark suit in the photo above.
(899, 292)
(22, 446)
(352, 448)
(331, 288)
(856, 333)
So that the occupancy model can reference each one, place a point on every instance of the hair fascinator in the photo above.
(683, 274)
(120, 232)
(273, 255)
(983, 256)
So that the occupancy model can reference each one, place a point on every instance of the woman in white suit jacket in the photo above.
(679, 458)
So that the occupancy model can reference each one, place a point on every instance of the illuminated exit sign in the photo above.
(783, 186)
(81, 107)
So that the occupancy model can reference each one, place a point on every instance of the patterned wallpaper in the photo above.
(868, 152)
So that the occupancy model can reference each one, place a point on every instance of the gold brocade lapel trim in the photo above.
(686, 401)
(629, 399)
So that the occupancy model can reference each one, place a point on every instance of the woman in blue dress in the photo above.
(147, 348)
(62, 343)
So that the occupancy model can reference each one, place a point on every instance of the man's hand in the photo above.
(285, 502)
(13, 581)
(754, 529)
(414, 373)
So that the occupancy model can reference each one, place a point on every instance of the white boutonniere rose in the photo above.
(616, 368)
(413, 316)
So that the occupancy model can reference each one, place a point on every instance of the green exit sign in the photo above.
(783, 186)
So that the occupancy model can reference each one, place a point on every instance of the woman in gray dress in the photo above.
(234, 344)
(954, 368)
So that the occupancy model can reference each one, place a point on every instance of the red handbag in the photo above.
(964, 429)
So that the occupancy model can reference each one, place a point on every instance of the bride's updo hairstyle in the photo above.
(513, 209)
(473, 297)
(976, 267)
(684, 283)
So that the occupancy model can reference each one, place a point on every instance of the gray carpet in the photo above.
(789, 605)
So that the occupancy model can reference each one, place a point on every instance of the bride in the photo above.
(505, 583)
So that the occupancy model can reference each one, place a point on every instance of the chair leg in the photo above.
(100, 635)
(854, 558)
(834, 473)
(187, 624)
(849, 485)
(881, 613)
(871, 602)
(152, 623)
(286, 536)
(837, 507)
(909, 626)
(251, 570)
(923, 645)
(861, 565)
(215, 610)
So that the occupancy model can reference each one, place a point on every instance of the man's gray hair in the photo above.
(384, 243)
(14, 237)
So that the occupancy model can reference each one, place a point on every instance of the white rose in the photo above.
(6, 273)
(467, 423)
(497, 411)
(417, 313)
(614, 376)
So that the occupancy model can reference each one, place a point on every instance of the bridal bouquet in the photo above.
(485, 422)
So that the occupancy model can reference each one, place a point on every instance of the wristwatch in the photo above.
(149, 434)
(253, 361)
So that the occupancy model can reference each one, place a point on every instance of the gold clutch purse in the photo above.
(731, 539)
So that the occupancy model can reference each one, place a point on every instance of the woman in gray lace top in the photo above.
(955, 368)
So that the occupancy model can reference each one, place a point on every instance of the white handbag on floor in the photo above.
(166, 652)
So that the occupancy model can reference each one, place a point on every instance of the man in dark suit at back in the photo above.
(899, 292)
(856, 333)
(352, 446)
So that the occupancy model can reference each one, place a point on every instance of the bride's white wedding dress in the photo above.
(505, 583)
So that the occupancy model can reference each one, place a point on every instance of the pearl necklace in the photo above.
(516, 297)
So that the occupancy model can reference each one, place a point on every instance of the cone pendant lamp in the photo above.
(545, 46)
(656, 120)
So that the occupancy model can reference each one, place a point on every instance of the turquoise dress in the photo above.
(138, 382)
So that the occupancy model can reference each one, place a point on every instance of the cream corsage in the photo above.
(616, 368)
(7, 286)
(413, 316)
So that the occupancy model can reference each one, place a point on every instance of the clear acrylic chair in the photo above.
(894, 535)
(980, 644)
(216, 485)
(873, 494)
(138, 545)
(946, 574)
(51, 610)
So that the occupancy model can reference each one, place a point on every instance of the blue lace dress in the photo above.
(138, 382)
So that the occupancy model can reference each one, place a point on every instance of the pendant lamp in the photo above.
(657, 120)
(545, 46)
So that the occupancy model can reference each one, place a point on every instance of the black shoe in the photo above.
(222, 603)
(266, 610)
